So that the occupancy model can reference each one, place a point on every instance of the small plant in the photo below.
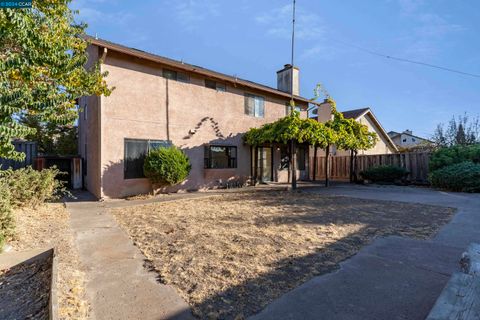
(387, 174)
(166, 166)
(463, 177)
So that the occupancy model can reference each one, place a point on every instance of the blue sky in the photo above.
(251, 39)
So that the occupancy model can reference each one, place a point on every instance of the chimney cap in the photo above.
(287, 67)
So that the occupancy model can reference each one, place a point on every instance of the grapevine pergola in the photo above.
(346, 134)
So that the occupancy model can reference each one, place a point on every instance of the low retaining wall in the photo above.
(28, 287)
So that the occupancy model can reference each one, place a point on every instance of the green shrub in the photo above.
(166, 166)
(7, 222)
(457, 154)
(29, 187)
(463, 177)
(384, 174)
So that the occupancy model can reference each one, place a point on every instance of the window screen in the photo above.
(169, 74)
(135, 152)
(254, 105)
(220, 157)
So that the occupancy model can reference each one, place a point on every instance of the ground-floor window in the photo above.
(220, 157)
(135, 152)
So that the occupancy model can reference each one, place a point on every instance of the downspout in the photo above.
(167, 105)
(100, 126)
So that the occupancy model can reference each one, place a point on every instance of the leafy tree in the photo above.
(52, 138)
(355, 137)
(42, 69)
(461, 130)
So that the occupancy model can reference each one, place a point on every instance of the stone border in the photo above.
(11, 259)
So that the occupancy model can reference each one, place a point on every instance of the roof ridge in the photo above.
(192, 68)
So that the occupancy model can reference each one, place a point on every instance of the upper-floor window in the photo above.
(215, 85)
(135, 152)
(220, 157)
(254, 105)
(175, 75)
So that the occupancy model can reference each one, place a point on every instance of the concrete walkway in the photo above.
(393, 278)
(118, 286)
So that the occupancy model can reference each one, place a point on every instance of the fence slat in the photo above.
(416, 163)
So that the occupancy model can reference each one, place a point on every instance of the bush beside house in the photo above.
(24, 188)
(452, 155)
(464, 177)
(456, 168)
(166, 166)
(385, 174)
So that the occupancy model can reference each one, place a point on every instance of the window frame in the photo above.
(149, 143)
(177, 75)
(215, 85)
(256, 99)
(232, 161)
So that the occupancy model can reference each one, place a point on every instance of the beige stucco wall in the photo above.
(89, 134)
(137, 110)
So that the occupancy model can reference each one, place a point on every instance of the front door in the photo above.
(264, 164)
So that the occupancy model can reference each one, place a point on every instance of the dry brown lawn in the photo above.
(48, 226)
(230, 255)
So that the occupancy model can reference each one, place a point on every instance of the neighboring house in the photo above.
(158, 101)
(364, 116)
(406, 139)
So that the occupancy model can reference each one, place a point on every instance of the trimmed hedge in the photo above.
(452, 155)
(463, 177)
(166, 166)
(387, 174)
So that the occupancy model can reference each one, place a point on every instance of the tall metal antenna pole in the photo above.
(293, 40)
(292, 105)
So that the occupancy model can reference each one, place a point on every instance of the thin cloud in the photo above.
(190, 13)
(428, 31)
(278, 22)
(90, 13)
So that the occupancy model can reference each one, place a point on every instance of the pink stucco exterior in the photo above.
(197, 116)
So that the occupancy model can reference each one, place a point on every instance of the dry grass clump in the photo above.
(230, 255)
(48, 226)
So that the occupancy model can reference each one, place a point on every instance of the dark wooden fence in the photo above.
(416, 163)
(30, 150)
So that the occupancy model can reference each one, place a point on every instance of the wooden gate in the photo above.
(416, 163)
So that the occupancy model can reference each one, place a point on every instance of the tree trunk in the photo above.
(255, 166)
(351, 166)
(293, 167)
(327, 167)
(315, 163)
(355, 167)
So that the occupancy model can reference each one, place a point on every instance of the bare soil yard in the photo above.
(48, 226)
(230, 255)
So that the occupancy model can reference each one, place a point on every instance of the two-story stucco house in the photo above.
(159, 101)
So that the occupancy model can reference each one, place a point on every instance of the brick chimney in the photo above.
(286, 77)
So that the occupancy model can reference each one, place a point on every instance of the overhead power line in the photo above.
(408, 60)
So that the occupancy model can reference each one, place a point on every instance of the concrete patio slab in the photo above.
(118, 285)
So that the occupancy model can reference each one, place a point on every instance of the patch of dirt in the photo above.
(230, 255)
(48, 226)
(25, 292)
